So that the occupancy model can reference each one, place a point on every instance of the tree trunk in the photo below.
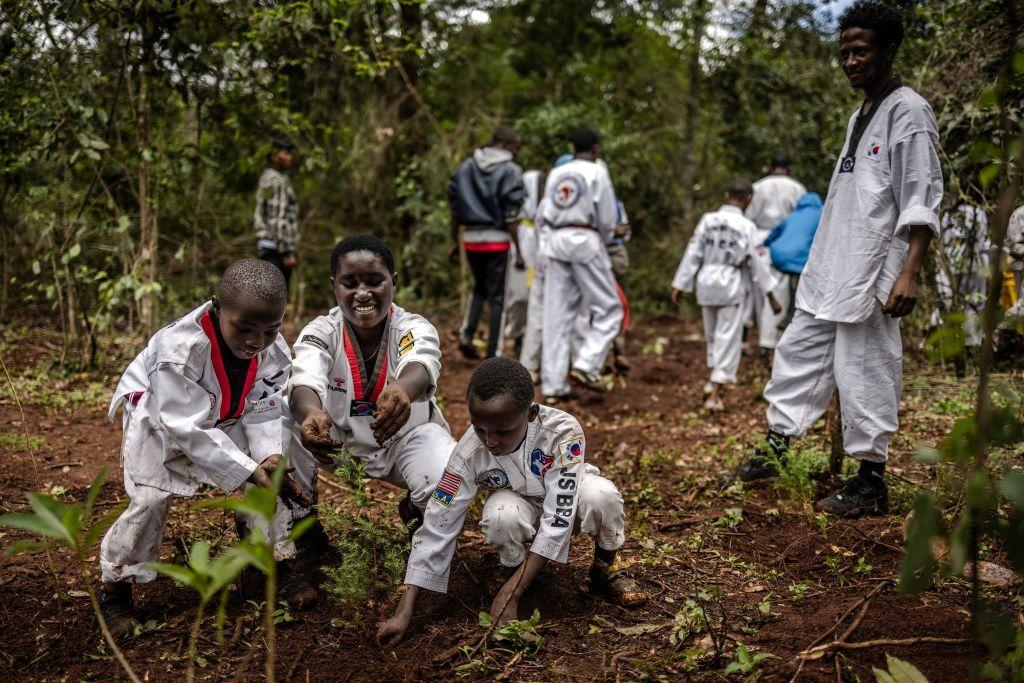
(691, 107)
(147, 215)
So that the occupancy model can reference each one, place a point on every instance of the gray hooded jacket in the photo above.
(486, 190)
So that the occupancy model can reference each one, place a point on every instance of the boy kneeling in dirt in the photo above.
(530, 458)
(202, 405)
(363, 379)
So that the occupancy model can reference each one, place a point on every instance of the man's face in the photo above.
(864, 62)
(364, 289)
(499, 422)
(283, 158)
(249, 326)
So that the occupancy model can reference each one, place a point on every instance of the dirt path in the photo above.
(784, 577)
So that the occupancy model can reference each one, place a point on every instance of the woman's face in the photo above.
(364, 288)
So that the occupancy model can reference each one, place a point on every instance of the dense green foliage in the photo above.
(135, 131)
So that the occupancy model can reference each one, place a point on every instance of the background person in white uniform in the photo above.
(775, 197)
(719, 261)
(580, 213)
(862, 273)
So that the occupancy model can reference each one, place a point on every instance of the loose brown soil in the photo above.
(649, 435)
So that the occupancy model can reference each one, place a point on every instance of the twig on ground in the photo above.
(821, 650)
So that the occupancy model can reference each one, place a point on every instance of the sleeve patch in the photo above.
(316, 341)
(406, 343)
(571, 450)
(447, 487)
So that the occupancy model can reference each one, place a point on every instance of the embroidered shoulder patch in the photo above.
(571, 450)
(406, 343)
(447, 487)
(492, 479)
(540, 462)
(316, 341)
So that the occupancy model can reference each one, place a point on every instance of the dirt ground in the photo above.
(787, 579)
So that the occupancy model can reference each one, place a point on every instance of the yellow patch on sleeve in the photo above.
(406, 343)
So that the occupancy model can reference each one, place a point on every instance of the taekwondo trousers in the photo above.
(723, 335)
(863, 360)
(509, 521)
(529, 355)
(570, 288)
(517, 295)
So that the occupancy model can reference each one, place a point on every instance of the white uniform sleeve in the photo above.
(263, 413)
(182, 405)
(605, 210)
(561, 484)
(691, 262)
(433, 545)
(758, 203)
(760, 268)
(314, 357)
(419, 343)
(916, 182)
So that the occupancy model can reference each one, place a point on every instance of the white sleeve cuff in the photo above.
(916, 215)
(429, 580)
(551, 549)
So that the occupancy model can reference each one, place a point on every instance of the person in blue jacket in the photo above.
(790, 242)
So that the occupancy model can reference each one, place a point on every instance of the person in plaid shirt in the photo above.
(277, 212)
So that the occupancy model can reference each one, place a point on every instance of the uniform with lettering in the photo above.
(544, 491)
(328, 361)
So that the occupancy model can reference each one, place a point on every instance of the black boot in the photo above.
(762, 465)
(117, 608)
(864, 494)
(292, 588)
(411, 516)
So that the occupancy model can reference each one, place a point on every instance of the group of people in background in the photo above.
(219, 398)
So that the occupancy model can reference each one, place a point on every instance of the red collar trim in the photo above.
(357, 375)
(206, 322)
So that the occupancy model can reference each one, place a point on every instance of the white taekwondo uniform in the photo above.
(529, 355)
(839, 336)
(328, 361)
(775, 197)
(178, 434)
(542, 491)
(962, 262)
(720, 259)
(518, 282)
(581, 214)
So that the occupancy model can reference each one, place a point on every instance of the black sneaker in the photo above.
(859, 496)
(117, 608)
(410, 515)
(761, 465)
(468, 351)
(314, 542)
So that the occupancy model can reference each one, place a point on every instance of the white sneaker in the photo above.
(708, 388)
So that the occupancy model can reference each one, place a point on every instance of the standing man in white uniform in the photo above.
(581, 215)
(862, 273)
(775, 197)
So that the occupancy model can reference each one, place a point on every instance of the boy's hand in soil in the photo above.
(505, 607)
(290, 493)
(391, 632)
(393, 410)
(774, 303)
(315, 434)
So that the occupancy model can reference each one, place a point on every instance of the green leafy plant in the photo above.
(745, 662)
(69, 525)
(518, 634)
(898, 671)
(688, 622)
(206, 577)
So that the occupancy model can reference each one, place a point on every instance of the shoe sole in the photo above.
(581, 381)
(852, 513)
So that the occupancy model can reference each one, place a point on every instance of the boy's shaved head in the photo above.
(498, 376)
(250, 279)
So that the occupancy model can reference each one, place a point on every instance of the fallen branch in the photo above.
(822, 650)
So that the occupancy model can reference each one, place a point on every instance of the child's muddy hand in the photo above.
(315, 433)
(393, 410)
(391, 632)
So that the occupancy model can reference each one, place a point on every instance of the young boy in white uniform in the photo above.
(962, 271)
(202, 405)
(530, 459)
(364, 378)
(581, 214)
(720, 259)
(775, 197)
(863, 269)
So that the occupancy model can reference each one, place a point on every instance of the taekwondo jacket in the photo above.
(723, 246)
(775, 197)
(889, 182)
(176, 397)
(326, 362)
(579, 210)
(545, 470)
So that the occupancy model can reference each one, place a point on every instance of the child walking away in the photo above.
(721, 258)
(364, 378)
(530, 460)
(202, 405)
